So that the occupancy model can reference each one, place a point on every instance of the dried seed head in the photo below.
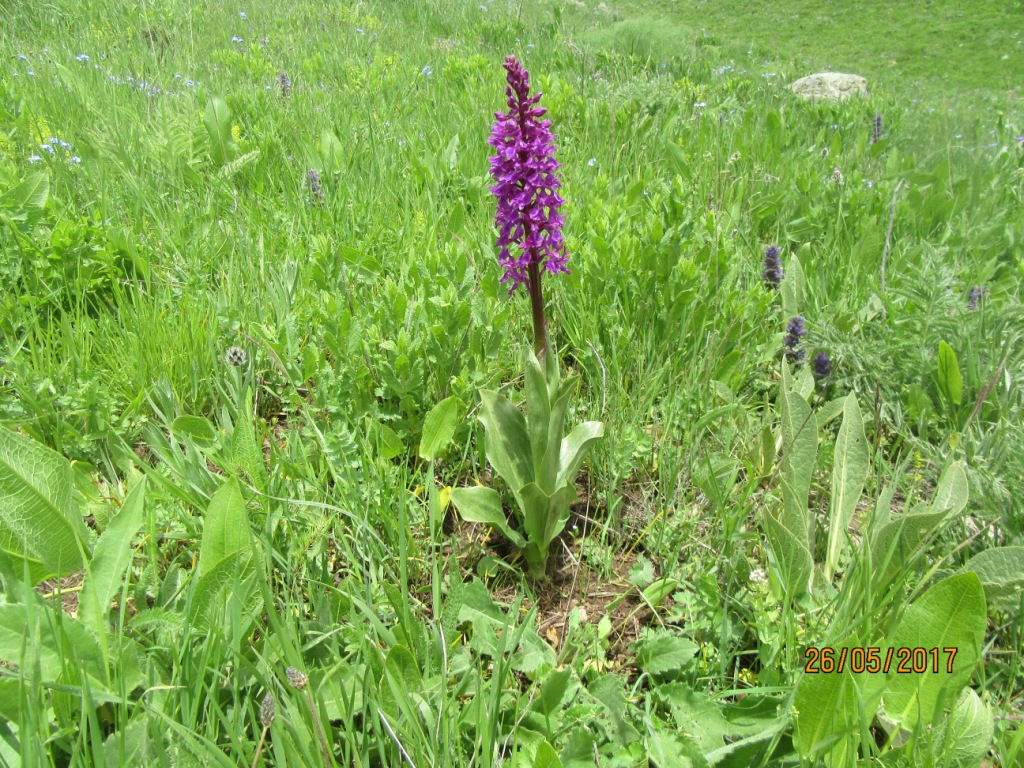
(236, 357)
(267, 710)
(296, 679)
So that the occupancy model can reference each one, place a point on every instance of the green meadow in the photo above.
(252, 324)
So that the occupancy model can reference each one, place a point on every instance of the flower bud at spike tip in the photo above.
(528, 222)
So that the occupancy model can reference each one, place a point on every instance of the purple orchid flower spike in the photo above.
(529, 224)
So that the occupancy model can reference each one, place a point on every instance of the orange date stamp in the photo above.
(902, 661)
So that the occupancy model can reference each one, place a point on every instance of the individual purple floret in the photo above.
(822, 366)
(974, 296)
(876, 129)
(795, 333)
(772, 272)
(524, 168)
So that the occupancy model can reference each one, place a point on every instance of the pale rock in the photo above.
(832, 86)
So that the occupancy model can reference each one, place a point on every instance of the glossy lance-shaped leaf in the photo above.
(111, 558)
(483, 505)
(40, 520)
(439, 427)
(507, 439)
(950, 381)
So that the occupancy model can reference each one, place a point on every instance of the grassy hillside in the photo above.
(250, 296)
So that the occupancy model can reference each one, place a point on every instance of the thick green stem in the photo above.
(540, 335)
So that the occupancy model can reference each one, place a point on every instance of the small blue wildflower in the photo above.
(592, 162)
(699, 104)
(47, 148)
(427, 71)
(190, 83)
(82, 57)
(236, 39)
(242, 15)
(30, 73)
(74, 160)
(360, 30)
(35, 159)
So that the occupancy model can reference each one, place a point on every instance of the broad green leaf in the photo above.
(716, 474)
(483, 505)
(951, 614)
(849, 472)
(386, 442)
(401, 679)
(829, 411)
(546, 757)
(231, 579)
(333, 152)
(656, 592)
(792, 557)
(196, 428)
(677, 161)
(439, 427)
(507, 440)
(950, 382)
(113, 554)
(827, 719)
(695, 714)
(799, 446)
(662, 654)
(217, 120)
(966, 735)
(544, 517)
(1001, 571)
(894, 545)
(40, 519)
(245, 452)
(793, 287)
(486, 619)
(28, 197)
(225, 526)
(608, 691)
(31, 634)
(574, 450)
(951, 493)
(553, 692)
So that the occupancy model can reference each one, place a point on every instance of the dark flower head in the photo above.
(235, 356)
(286, 84)
(822, 365)
(529, 225)
(795, 332)
(316, 189)
(772, 272)
(296, 679)
(876, 129)
(267, 710)
(974, 296)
